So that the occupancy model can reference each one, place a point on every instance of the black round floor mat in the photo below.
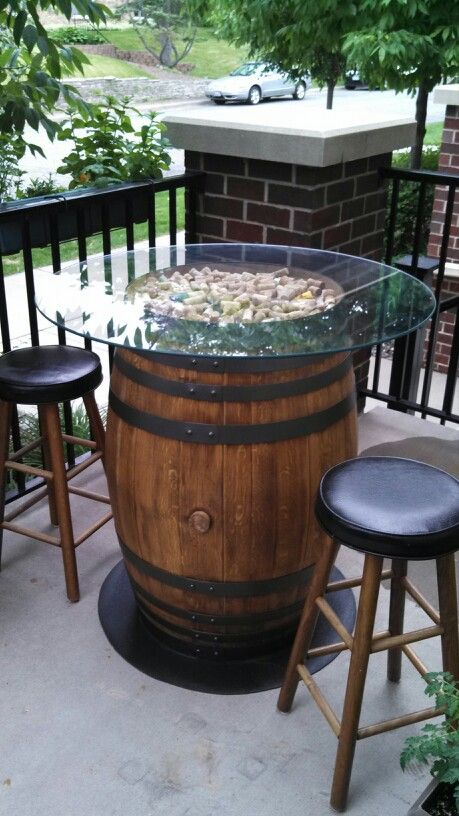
(130, 637)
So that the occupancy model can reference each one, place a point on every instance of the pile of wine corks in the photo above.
(225, 297)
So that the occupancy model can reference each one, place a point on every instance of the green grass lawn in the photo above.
(69, 249)
(434, 132)
(108, 66)
(211, 57)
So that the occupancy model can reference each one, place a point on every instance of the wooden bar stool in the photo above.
(385, 507)
(45, 376)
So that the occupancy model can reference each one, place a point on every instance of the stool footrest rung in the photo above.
(89, 494)
(407, 637)
(94, 457)
(94, 527)
(414, 659)
(334, 621)
(397, 722)
(319, 698)
(26, 531)
(13, 457)
(78, 440)
(33, 471)
(420, 600)
(350, 583)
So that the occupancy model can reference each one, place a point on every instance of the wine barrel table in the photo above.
(217, 437)
(212, 477)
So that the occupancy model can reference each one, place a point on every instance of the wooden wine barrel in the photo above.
(213, 467)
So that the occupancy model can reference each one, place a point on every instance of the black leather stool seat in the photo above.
(396, 508)
(46, 374)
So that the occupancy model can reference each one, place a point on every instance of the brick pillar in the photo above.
(340, 207)
(448, 163)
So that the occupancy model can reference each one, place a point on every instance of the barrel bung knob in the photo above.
(199, 521)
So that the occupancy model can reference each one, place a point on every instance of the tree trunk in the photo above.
(421, 113)
(330, 89)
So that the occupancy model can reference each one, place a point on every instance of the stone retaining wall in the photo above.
(140, 90)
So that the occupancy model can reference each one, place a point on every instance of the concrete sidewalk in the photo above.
(85, 734)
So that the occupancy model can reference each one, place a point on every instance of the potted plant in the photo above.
(438, 747)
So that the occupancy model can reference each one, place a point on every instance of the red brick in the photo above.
(316, 176)
(221, 205)
(300, 197)
(352, 247)
(353, 208)
(454, 161)
(371, 242)
(270, 170)
(333, 236)
(239, 231)
(224, 164)
(212, 226)
(356, 167)
(193, 160)
(325, 217)
(447, 136)
(367, 184)
(451, 122)
(363, 226)
(214, 183)
(375, 201)
(452, 111)
(246, 188)
(382, 160)
(286, 237)
(268, 215)
(340, 191)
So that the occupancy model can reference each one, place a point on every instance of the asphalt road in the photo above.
(400, 105)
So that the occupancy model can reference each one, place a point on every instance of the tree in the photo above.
(407, 45)
(298, 36)
(32, 65)
(160, 24)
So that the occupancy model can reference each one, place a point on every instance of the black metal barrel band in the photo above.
(226, 365)
(217, 589)
(196, 636)
(212, 392)
(249, 619)
(206, 434)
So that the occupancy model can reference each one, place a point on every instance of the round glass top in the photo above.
(234, 300)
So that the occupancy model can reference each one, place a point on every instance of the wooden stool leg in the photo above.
(447, 604)
(52, 432)
(360, 654)
(307, 623)
(50, 486)
(396, 616)
(5, 425)
(97, 427)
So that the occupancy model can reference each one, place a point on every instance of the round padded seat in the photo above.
(46, 374)
(393, 507)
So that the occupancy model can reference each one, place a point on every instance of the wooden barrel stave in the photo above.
(260, 497)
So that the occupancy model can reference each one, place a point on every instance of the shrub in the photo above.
(40, 187)
(438, 745)
(11, 151)
(108, 149)
(74, 36)
(408, 203)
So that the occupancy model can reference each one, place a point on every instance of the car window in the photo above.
(247, 69)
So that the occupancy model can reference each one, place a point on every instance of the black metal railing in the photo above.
(413, 361)
(53, 221)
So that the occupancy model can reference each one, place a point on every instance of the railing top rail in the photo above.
(429, 176)
(43, 203)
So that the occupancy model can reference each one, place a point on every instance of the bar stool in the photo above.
(45, 376)
(384, 507)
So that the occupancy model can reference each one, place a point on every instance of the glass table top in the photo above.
(234, 300)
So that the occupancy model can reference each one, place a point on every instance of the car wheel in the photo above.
(254, 96)
(219, 101)
(300, 91)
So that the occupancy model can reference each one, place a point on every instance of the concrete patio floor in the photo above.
(86, 734)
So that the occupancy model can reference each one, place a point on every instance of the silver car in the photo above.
(253, 82)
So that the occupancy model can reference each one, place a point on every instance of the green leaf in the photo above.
(18, 26)
(30, 36)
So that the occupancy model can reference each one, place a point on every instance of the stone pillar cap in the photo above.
(448, 94)
(289, 132)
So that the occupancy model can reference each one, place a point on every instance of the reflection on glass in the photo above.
(107, 299)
